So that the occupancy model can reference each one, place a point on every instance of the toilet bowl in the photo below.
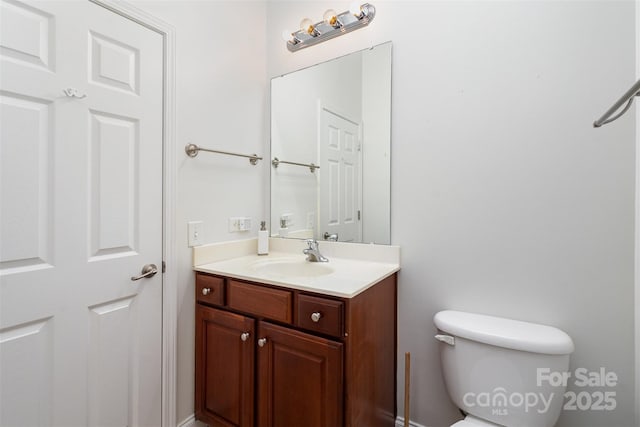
(496, 370)
(471, 421)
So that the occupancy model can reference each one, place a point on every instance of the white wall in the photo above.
(504, 199)
(220, 89)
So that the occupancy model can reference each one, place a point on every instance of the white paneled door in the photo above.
(340, 204)
(81, 93)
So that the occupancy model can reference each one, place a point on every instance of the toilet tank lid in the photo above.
(507, 333)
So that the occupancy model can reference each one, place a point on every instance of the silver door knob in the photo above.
(206, 291)
(244, 336)
(262, 342)
(148, 270)
(330, 237)
(316, 316)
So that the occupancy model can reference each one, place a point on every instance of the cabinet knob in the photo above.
(316, 316)
(244, 336)
(206, 291)
(262, 342)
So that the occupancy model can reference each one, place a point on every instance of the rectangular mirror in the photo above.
(331, 150)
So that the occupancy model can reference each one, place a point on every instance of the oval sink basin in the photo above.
(284, 268)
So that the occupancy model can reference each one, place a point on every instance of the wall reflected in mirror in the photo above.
(336, 116)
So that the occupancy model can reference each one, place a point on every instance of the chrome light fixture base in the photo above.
(322, 31)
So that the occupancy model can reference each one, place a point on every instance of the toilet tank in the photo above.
(505, 371)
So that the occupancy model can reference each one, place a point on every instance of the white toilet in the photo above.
(503, 372)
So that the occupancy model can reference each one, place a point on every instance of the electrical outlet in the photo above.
(239, 223)
(245, 224)
(195, 230)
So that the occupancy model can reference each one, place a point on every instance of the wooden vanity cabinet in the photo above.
(276, 357)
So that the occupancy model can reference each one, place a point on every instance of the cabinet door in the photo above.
(300, 381)
(224, 368)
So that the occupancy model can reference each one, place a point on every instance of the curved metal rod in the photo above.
(624, 110)
(192, 151)
(628, 97)
(275, 162)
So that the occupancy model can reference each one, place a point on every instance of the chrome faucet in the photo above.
(313, 253)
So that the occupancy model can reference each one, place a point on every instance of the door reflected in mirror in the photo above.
(331, 150)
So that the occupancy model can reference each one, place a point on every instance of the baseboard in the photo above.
(400, 423)
(191, 421)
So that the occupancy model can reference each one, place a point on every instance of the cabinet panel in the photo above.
(370, 359)
(259, 300)
(209, 289)
(300, 379)
(320, 314)
(224, 368)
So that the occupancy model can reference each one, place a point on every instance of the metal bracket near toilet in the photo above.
(448, 339)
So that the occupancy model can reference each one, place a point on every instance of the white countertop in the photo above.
(286, 266)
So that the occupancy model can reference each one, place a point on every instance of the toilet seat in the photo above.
(471, 421)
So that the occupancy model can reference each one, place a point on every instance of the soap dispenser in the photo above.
(284, 230)
(263, 239)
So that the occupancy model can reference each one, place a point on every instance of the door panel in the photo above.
(27, 35)
(111, 348)
(113, 170)
(340, 187)
(80, 213)
(114, 64)
(25, 174)
(28, 348)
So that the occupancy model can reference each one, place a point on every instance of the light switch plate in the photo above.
(195, 231)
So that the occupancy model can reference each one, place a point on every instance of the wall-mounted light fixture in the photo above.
(332, 25)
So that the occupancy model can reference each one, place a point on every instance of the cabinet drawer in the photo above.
(260, 301)
(209, 289)
(320, 314)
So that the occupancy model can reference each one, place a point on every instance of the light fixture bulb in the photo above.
(307, 25)
(330, 17)
(287, 35)
(355, 9)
